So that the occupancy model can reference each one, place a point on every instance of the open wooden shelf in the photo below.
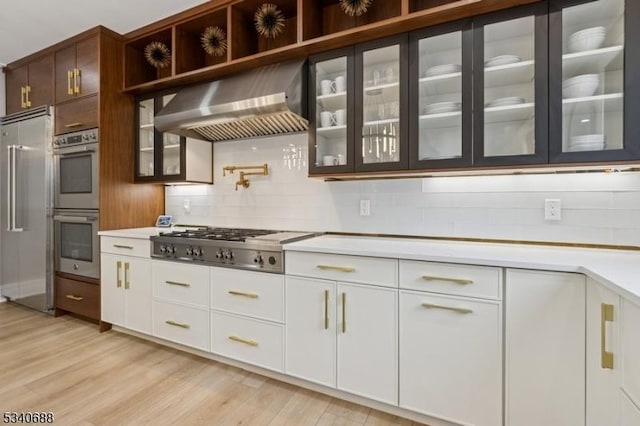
(138, 70)
(190, 54)
(417, 5)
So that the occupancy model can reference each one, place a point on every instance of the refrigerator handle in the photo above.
(12, 193)
(9, 186)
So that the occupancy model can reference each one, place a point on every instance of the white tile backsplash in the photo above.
(596, 208)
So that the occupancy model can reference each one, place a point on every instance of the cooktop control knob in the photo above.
(272, 260)
(228, 255)
(258, 259)
(219, 254)
(163, 248)
(197, 251)
(171, 249)
(189, 251)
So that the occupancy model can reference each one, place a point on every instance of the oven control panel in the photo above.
(76, 138)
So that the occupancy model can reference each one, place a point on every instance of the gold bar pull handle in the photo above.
(177, 324)
(243, 340)
(76, 298)
(123, 247)
(179, 284)
(606, 358)
(70, 125)
(127, 284)
(23, 96)
(461, 281)
(76, 81)
(69, 77)
(28, 101)
(447, 308)
(326, 309)
(118, 280)
(344, 312)
(336, 268)
(243, 294)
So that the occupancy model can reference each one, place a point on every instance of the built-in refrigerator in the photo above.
(26, 176)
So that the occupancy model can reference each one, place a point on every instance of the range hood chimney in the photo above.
(265, 101)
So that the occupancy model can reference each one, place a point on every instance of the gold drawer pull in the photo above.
(448, 308)
(245, 341)
(606, 358)
(118, 267)
(461, 281)
(76, 80)
(73, 125)
(344, 312)
(123, 247)
(326, 309)
(127, 284)
(23, 96)
(178, 283)
(76, 298)
(177, 324)
(336, 268)
(240, 293)
(69, 77)
(27, 91)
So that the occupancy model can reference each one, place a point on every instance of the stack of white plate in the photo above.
(442, 107)
(508, 101)
(580, 86)
(502, 60)
(595, 142)
(442, 70)
(588, 39)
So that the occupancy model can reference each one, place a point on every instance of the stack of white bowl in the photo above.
(588, 39)
(595, 142)
(580, 86)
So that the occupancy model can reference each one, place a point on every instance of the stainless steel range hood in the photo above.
(264, 101)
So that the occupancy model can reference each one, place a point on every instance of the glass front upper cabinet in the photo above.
(511, 83)
(440, 105)
(590, 41)
(170, 148)
(146, 138)
(382, 108)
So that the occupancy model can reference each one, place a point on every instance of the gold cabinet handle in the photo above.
(28, 101)
(461, 281)
(76, 81)
(179, 284)
(336, 268)
(344, 312)
(72, 297)
(242, 340)
(123, 247)
(326, 309)
(69, 77)
(127, 284)
(118, 280)
(177, 324)
(447, 308)
(73, 125)
(606, 358)
(243, 294)
(23, 96)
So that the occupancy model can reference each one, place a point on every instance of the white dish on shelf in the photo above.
(508, 101)
(587, 39)
(442, 70)
(593, 142)
(580, 86)
(442, 107)
(502, 60)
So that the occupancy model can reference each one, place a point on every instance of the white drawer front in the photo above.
(181, 324)
(181, 283)
(256, 294)
(126, 246)
(448, 278)
(359, 269)
(252, 341)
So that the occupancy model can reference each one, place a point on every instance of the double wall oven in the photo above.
(76, 215)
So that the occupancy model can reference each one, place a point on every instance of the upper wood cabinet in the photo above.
(30, 84)
(77, 70)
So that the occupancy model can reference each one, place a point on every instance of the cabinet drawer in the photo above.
(126, 246)
(359, 269)
(449, 278)
(255, 294)
(181, 324)
(252, 341)
(76, 115)
(178, 282)
(78, 297)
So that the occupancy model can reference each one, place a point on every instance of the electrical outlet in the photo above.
(365, 208)
(187, 206)
(552, 209)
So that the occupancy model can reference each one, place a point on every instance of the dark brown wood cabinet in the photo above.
(29, 84)
(77, 70)
(77, 115)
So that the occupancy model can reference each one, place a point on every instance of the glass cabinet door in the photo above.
(511, 87)
(331, 109)
(440, 102)
(146, 138)
(170, 147)
(381, 105)
(588, 62)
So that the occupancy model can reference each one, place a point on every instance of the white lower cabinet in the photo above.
(630, 348)
(544, 348)
(451, 357)
(630, 415)
(343, 335)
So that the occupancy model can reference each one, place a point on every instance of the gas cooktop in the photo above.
(254, 249)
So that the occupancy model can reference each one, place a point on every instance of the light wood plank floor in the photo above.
(63, 365)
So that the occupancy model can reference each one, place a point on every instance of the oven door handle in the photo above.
(71, 154)
(77, 219)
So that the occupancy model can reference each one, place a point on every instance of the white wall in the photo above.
(596, 207)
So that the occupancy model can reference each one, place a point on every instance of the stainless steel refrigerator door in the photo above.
(27, 273)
